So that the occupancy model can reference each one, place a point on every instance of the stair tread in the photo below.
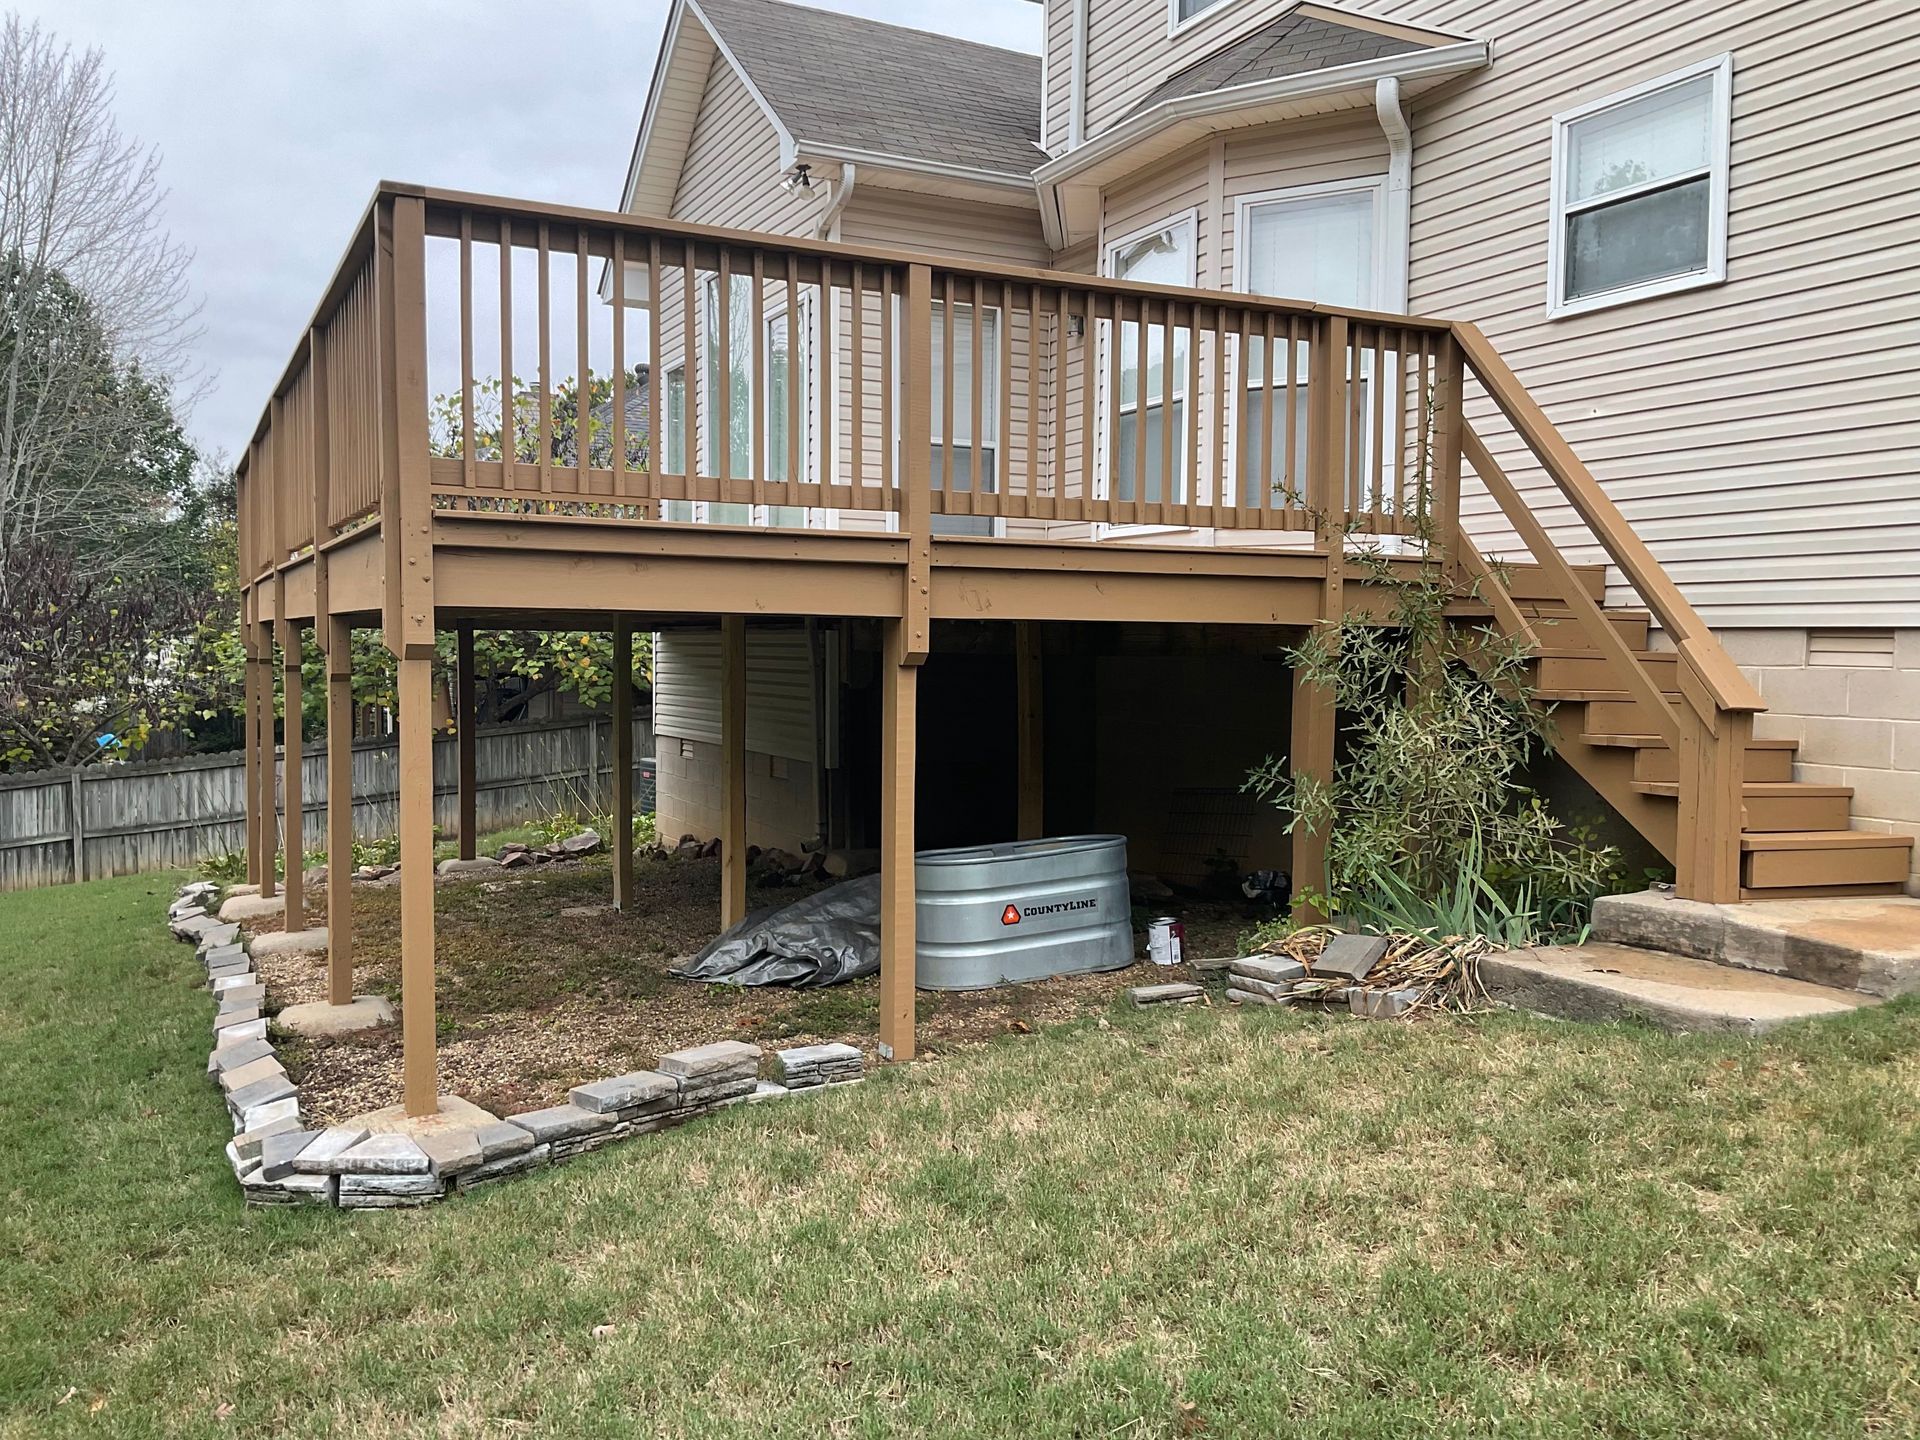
(1826, 840)
(1566, 652)
(1659, 742)
(1758, 789)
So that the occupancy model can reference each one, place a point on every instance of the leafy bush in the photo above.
(1429, 823)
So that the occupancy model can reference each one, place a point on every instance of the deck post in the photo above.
(466, 741)
(262, 667)
(1712, 775)
(419, 1062)
(1311, 743)
(733, 770)
(293, 787)
(621, 840)
(339, 647)
(250, 743)
(899, 940)
(408, 614)
(1032, 812)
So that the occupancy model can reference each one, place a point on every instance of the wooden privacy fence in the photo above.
(166, 814)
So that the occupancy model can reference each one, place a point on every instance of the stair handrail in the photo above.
(1709, 680)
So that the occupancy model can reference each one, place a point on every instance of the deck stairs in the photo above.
(1796, 839)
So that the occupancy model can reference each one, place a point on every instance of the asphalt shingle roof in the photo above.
(1295, 44)
(839, 80)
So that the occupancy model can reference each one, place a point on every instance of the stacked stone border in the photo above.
(278, 1160)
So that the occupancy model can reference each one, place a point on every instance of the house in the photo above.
(1007, 419)
(1675, 223)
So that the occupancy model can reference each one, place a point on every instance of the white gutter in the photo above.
(1440, 61)
(814, 151)
(1398, 220)
(839, 193)
(1077, 78)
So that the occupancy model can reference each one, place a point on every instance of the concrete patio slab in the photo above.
(1605, 982)
(292, 942)
(239, 909)
(454, 1114)
(1870, 943)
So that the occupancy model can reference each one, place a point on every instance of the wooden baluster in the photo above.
(583, 368)
(721, 422)
(694, 486)
(889, 364)
(947, 327)
(656, 380)
(467, 447)
(857, 381)
(622, 481)
(1170, 493)
(799, 358)
(761, 456)
(829, 377)
(545, 305)
(509, 442)
(977, 434)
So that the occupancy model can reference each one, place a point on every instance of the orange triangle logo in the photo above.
(1010, 915)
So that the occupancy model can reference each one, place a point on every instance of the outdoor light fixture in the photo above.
(1076, 326)
(799, 179)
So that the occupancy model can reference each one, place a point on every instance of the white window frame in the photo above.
(1177, 26)
(1389, 252)
(814, 518)
(1717, 171)
(1103, 456)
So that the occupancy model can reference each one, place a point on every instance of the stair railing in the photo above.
(1711, 726)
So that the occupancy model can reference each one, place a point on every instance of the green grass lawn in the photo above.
(1197, 1223)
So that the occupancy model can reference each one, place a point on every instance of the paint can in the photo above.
(1166, 941)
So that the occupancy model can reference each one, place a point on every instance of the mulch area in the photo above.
(533, 1000)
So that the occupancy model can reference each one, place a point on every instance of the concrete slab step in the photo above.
(1868, 944)
(1607, 982)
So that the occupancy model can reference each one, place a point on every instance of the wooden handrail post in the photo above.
(293, 787)
(1449, 431)
(1712, 774)
(466, 742)
(916, 462)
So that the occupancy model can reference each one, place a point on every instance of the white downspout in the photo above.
(1077, 80)
(1398, 221)
(839, 192)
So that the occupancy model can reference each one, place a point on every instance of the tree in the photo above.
(94, 665)
(94, 319)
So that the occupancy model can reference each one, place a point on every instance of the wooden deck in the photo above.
(1096, 428)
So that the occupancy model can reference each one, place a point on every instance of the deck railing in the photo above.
(485, 357)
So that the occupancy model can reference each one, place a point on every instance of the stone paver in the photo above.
(702, 1060)
(561, 1122)
(384, 1155)
(626, 1092)
(321, 1157)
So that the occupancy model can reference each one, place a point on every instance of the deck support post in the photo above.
(899, 725)
(339, 647)
(1314, 718)
(733, 770)
(293, 787)
(268, 796)
(419, 1061)
(1027, 683)
(250, 743)
(621, 840)
(466, 741)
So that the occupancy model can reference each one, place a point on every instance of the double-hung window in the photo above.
(1149, 402)
(1640, 191)
(973, 464)
(786, 350)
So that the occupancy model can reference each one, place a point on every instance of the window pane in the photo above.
(963, 373)
(786, 517)
(1162, 258)
(719, 514)
(1657, 137)
(777, 412)
(1124, 471)
(1191, 8)
(676, 422)
(739, 376)
(1318, 248)
(965, 458)
(1272, 481)
(1645, 238)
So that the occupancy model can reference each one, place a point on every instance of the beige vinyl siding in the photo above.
(780, 718)
(1761, 435)
(1056, 109)
(732, 171)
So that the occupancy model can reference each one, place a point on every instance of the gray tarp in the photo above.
(821, 940)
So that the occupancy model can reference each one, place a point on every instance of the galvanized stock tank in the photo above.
(1024, 910)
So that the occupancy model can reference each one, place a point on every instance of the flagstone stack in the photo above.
(1263, 980)
(806, 1067)
(709, 1076)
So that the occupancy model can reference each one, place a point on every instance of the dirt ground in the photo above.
(533, 1000)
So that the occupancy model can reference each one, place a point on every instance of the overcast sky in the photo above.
(275, 118)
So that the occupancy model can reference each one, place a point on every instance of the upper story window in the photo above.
(1180, 13)
(1640, 191)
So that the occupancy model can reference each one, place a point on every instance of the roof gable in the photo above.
(1297, 43)
(836, 83)
(840, 81)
